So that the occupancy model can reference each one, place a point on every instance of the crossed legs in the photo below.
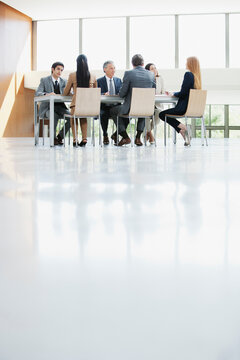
(177, 125)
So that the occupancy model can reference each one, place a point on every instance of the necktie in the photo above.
(111, 90)
(56, 87)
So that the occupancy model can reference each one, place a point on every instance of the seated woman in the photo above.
(192, 80)
(158, 108)
(80, 78)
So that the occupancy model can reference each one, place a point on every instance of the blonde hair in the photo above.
(194, 66)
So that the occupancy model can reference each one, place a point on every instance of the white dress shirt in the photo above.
(55, 80)
(108, 84)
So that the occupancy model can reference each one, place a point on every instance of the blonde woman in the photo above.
(159, 90)
(80, 78)
(192, 80)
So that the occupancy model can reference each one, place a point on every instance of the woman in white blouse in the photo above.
(158, 108)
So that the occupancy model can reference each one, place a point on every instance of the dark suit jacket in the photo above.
(102, 83)
(136, 78)
(183, 94)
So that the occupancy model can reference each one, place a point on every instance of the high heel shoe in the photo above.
(83, 143)
(75, 144)
(187, 138)
(150, 137)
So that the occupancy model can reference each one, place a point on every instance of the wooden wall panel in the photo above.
(16, 102)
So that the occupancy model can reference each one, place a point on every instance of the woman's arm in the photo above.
(68, 87)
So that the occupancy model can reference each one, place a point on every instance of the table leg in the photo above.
(36, 131)
(174, 136)
(51, 119)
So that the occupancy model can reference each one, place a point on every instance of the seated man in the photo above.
(110, 85)
(52, 85)
(136, 78)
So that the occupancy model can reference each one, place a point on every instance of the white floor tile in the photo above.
(120, 253)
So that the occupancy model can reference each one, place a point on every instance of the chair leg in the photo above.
(100, 137)
(205, 132)
(165, 131)
(145, 133)
(117, 131)
(188, 131)
(155, 131)
(174, 136)
(64, 131)
(43, 130)
(202, 133)
(93, 134)
(59, 126)
(112, 130)
(38, 131)
(75, 129)
(134, 131)
(69, 133)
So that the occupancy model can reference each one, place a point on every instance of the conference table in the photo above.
(105, 99)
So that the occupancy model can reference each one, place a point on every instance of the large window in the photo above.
(153, 37)
(104, 39)
(234, 111)
(202, 36)
(234, 30)
(57, 40)
(119, 38)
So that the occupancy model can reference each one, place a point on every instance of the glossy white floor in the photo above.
(120, 253)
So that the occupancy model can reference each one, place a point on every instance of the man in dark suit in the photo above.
(110, 85)
(51, 85)
(136, 78)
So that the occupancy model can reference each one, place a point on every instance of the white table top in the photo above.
(214, 97)
(104, 98)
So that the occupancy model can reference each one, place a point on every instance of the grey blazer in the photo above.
(46, 86)
(136, 78)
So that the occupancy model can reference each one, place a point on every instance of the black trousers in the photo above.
(106, 114)
(171, 121)
(59, 112)
(123, 122)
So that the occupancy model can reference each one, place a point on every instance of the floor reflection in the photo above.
(104, 251)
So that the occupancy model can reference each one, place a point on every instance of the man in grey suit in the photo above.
(136, 78)
(51, 85)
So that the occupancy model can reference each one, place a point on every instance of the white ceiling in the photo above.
(62, 9)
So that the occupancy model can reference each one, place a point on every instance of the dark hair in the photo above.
(137, 60)
(57, 63)
(147, 67)
(83, 74)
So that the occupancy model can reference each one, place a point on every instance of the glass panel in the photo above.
(234, 134)
(202, 36)
(154, 38)
(206, 117)
(234, 115)
(217, 115)
(220, 133)
(234, 30)
(217, 134)
(105, 39)
(57, 40)
(198, 133)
